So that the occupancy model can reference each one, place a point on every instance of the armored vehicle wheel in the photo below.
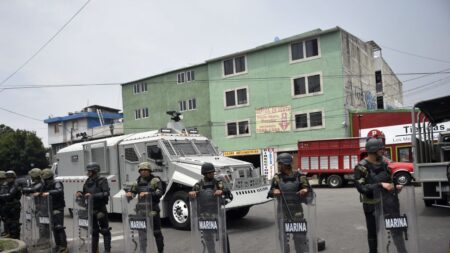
(334, 181)
(179, 211)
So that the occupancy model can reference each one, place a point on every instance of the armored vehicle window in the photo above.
(184, 148)
(169, 148)
(205, 147)
(153, 152)
(130, 155)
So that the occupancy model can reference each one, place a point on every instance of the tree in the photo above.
(20, 150)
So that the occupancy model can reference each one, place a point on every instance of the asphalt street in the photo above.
(340, 222)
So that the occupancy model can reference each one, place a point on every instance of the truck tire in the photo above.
(237, 213)
(403, 178)
(335, 181)
(178, 211)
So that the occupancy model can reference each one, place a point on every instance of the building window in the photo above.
(141, 113)
(188, 105)
(378, 81)
(187, 76)
(234, 65)
(306, 85)
(56, 128)
(75, 125)
(380, 102)
(304, 49)
(140, 87)
(236, 97)
(239, 128)
(309, 120)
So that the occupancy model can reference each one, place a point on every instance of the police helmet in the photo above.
(2, 174)
(284, 158)
(35, 173)
(10, 174)
(207, 167)
(47, 174)
(373, 145)
(144, 166)
(93, 166)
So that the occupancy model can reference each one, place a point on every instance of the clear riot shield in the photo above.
(28, 220)
(296, 222)
(208, 223)
(397, 221)
(137, 217)
(44, 211)
(82, 224)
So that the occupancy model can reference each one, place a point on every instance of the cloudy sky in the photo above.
(112, 41)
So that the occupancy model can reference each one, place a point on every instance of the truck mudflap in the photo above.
(249, 197)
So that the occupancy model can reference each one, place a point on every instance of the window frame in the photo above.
(234, 66)
(307, 94)
(140, 87)
(308, 119)
(237, 128)
(237, 105)
(185, 74)
(186, 103)
(319, 53)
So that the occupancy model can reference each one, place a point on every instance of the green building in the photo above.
(261, 101)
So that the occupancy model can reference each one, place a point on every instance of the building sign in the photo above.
(402, 133)
(268, 162)
(242, 152)
(273, 119)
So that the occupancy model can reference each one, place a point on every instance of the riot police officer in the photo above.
(55, 190)
(35, 184)
(10, 194)
(217, 186)
(2, 204)
(145, 185)
(97, 187)
(372, 174)
(287, 180)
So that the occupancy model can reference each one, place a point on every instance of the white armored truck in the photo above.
(176, 155)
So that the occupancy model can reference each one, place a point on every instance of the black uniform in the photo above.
(10, 194)
(368, 178)
(56, 192)
(154, 187)
(205, 189)
(99, 189)
(289, 185)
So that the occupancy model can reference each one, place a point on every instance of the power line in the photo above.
(415, 55)
(20, 114)
(37, 86)
(45, 44)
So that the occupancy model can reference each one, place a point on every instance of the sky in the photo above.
(112, 42)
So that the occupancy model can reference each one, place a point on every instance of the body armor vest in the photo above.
(206, 198)
(92, 186)
(57, 199)
(289, 184)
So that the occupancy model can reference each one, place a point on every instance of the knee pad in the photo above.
(105, 231)
(59, 227)
(100, 215)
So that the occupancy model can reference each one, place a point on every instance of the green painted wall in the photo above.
(269, 82)
(163, 95)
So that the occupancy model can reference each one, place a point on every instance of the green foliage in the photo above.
(20, 150)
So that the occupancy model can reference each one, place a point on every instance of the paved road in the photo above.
(340, 220)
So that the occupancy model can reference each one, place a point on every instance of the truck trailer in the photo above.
(431, 145)
(333, 160)
(176, 155)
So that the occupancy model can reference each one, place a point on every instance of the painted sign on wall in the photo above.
(402, 133)
(273, 119)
